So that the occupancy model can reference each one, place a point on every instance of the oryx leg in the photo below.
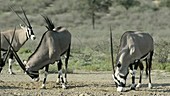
(133, 73)
(59, 67)
(149, 67)
(140, 64)
(60, 74)
(45, 77)
(10, 61)
(2, 63)
(65, 77)
(66, 63)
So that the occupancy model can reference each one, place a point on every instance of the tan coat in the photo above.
(52, 45)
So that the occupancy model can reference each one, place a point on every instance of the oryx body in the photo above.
(20, 37)
(52, 46)
(134, 47)
(54, 43)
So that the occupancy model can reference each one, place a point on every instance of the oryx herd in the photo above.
(134, 48)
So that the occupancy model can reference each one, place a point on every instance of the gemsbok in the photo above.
(20, 37)
(134, 48)
(54, 43)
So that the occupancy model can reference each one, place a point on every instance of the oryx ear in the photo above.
(22, 26)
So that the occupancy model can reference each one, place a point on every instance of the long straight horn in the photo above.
(111, 44)
(9, 46)
(26, 17)
(18, 15)
(16, 56)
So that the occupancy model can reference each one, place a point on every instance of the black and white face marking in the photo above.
(30, 33)
(119, 79)
(33, 74)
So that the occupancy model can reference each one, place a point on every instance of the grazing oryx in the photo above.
(54, 43)
(134, 48)
(21, 36)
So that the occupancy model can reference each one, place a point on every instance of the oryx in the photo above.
(134, 48)
(54, 43)
(21, 36)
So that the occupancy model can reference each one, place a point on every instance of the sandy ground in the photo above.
(81, 84)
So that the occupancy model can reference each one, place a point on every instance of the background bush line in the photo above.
(90, 47)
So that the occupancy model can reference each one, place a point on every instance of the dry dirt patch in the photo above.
(81, 84)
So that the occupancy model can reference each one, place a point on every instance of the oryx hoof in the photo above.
(138, 85)
(65, 82)
(120, 89)
(150, 86)
(43, 87)
(11, 73)
(58, 81)
(64, 86)
(132, 87)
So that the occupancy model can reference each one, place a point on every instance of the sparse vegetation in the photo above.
(90, 47)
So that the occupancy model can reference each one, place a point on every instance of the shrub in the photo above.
(128, 3)
(162, 51)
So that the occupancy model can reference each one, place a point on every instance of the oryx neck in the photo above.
(22, 37)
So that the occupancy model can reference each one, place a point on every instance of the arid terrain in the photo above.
(81, 84)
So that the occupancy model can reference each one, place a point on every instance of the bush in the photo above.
(168, 68)
(162, 51)
(128, 3)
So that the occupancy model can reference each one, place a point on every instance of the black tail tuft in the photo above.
(50, 26)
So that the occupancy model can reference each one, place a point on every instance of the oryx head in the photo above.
(119, 78)
(27, 28)
(33, 74)
(29, 32)
(119, 71)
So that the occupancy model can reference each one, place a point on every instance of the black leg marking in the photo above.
(66, 63)
(59, 64)
(133, 77)
(11, 58)
(45, 76)
(141, 71)
(150, 66)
